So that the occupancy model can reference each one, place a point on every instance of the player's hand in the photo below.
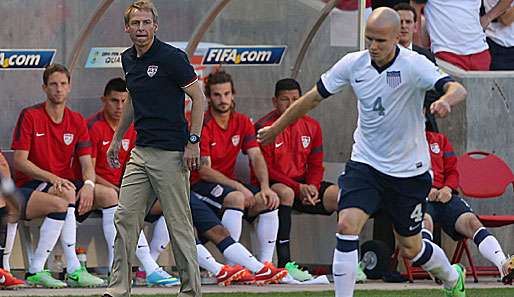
(308, 194)
(266, 135)
(485, 21)
(440, 108)
(444, 195)
(61, 184)
(192, 156)
(113, 153)
(86, 197)
(432, 196)
(270, 198)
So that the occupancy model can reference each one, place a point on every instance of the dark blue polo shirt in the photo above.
(155, 81)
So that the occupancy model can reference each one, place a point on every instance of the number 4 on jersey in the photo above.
(377, 106)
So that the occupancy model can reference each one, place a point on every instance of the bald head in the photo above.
(384, 17)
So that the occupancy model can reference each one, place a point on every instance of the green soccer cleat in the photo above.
(458, 290)
(361, 276)
(82, 278)
(44, 279)
(298, 274)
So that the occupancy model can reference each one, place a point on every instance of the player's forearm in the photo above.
(500, 8)
(260, 170)
(127, 116)
(214, 176)
(454, 93)
(30, 169)
(507, 18)
(197, 109)
(298, 109)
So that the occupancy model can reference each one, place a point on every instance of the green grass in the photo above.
(506, 292)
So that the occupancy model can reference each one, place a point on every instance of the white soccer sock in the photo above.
(160, 238)
(9, 243)
(232, 219)
(437, 263)
(48, 235)
(109, 232)
(237, 253)
(491, 250)
(344, 266)
(267, 229)
(143, 255)
(68, 241)
(207, 261)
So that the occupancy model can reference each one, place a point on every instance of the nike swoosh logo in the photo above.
(40, 134)
(283, 241)
(342, 274)
(105, 142)
(277, 145)
(414, 227)
(2, 279)
(213, 144)
(359, 80)
(73, 278)
(163, 247)
(268, 272)
(140, 246)
(223, 275)
(272, 241)
(496, 252)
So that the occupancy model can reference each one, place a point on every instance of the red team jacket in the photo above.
(51, 146)
(444, 161)
(223, 145)
(101, 134)
(296, 156)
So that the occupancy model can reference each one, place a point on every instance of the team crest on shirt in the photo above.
(68, 138)
(125, 144)
(393, 78)
(306, 140)
(235, 139)
(434, 147)
(152, 70)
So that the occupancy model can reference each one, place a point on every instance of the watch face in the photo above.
(194, 138)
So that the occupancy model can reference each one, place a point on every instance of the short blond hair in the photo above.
(140, 5)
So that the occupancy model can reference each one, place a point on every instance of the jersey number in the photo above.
(377, 106)
(417, 214)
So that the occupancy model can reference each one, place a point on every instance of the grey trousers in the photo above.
(153, 173)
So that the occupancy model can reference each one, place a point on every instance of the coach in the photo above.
(157, 76)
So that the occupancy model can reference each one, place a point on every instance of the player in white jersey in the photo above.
(389, 164)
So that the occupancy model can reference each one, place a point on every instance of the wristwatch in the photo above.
(193, 138)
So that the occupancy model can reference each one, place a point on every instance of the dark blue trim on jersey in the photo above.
(381, 69)
(322, 90)
(439, 85)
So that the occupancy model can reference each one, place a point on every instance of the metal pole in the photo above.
(86, 32)
(308, 38)
(362, 23)
(204, 26)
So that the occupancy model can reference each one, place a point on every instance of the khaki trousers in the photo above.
(153, 173)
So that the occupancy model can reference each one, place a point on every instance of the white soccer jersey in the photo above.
(454, 26)
(502, 35)
(390, 134)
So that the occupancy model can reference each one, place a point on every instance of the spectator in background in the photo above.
(456, 30)
(500, 37)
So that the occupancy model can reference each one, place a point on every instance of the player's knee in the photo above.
(60, 205)
(345, 226)
(234, 199)
(428, 223)
(69, 194)
(218, 233)
(411, 248)
(474, 223)
(110, 196)
(286, 195)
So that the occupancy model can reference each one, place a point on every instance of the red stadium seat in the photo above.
(483, 176)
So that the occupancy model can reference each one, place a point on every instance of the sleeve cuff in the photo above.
(439, 85)
(322, 90)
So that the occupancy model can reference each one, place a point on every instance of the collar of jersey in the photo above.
(151, 52)
(381, 69)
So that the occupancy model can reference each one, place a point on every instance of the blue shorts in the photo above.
(446, 214)
(402, 199)
(214, 194)
(204, 218)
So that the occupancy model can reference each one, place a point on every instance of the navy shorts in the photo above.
(403, 199)
(314, 209)
(215, 194)
(204, 218)
(23, 200)
(37, 185)
(446, 214)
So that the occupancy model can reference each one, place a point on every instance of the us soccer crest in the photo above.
(125, 144)
(306, 140)
(393, 78)
(152, 70)
(434, 147)
(235, 140)
(68, 138)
